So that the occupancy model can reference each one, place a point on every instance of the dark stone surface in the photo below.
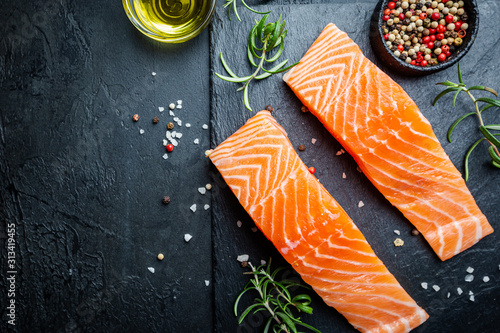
(413, 263)
(83, 186)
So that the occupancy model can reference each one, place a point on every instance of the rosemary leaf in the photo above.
(490, 137)
(490, 101)
(495, 127)
(452, 127)
(444, 92)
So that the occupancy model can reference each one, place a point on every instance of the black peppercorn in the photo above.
(402, 56)
(464, 17)
(437, 44)
(302, 147)
(156, 120)
(419, 5)
(269, 108)
(428, 4)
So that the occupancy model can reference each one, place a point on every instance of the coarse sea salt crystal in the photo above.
(179, 122)
(471, 296)
(470, 270)
(263, 262)
(313, 140)
(161, 108)
(204, 126)
(179, 101)
(168, 134)
(469, 278)
(486, 279)
(188, 125)
(360, 204)
(187, 237)
(165, 156)
(193, 208)
(207, 283)
(153, 73)
(178, 135)
(448, 295)
(243, 257)
(202, 190)
(459, 291)
(196, 141)
(151, 269)
(174, 133)
(436, 287)
(171, 106)
(344, 175)
(171, 113)
(179, 106)
(397, 232)
(174, 142)
(424, 285)
(141, 131)
(165, 142)
(239, 223)
(207, 206)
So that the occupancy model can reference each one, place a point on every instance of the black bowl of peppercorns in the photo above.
(420, 37)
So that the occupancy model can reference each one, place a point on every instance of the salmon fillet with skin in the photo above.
(310, 229)
(392, 142)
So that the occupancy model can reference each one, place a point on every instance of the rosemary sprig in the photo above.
(232, 4)
(494, 143)
(275, 298)
(263, 38)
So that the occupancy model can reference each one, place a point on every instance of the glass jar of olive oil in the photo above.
(170, 21)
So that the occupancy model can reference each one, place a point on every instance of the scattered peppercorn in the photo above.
(269, 108)
(302, 147)
(166, 200)
(416, 30)
(160, 256)
(170, 147)
(304, 109)
(156, 120)
(170, 125)
(244, 264)
(135, 117)
(415, 232)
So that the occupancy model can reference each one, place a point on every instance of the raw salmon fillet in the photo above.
(310, 229)
(392, 142)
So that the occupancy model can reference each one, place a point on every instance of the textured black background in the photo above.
(84, 187)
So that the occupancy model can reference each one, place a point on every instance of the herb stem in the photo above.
(259, 67)
(481, 119)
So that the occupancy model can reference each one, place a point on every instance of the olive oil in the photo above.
(170, 20)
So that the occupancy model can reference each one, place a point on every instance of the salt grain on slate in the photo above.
(486, 279)
(206, 207)
(207, 283)
(196, 141)
(239, 223)
(161, 108)
(202, 190)
(397, 232)
(469, 278)
(448, 295)
(193, 208)
(263, 262)
(165, 142)
(344, 175)
(179, 106)
(188, 125)
(361, 204)
(151, 269)
(178, 135)
(171, 113)
(459, 291)
(171, 106)
(153, 73)
(205, 126)
(424, 285)
(471, 296)
(165, 156)
(313, 140)
(436, 287)
(141, 131)
(174, 142)
(179, 101)
(470, 270)
(243, 257)
(187, 237)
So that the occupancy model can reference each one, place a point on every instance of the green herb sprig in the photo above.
(232, 4)
(263, 38)
(494, 143)
(275, 298)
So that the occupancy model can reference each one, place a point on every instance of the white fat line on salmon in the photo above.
(338, 271)
(370, 297)
(244, 143)
(338, 283)
(340, 247)
(357, 263)
(415, 184)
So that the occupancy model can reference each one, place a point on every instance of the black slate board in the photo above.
(413, 263)
(84, 187)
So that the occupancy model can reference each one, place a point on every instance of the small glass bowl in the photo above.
(146, 27)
